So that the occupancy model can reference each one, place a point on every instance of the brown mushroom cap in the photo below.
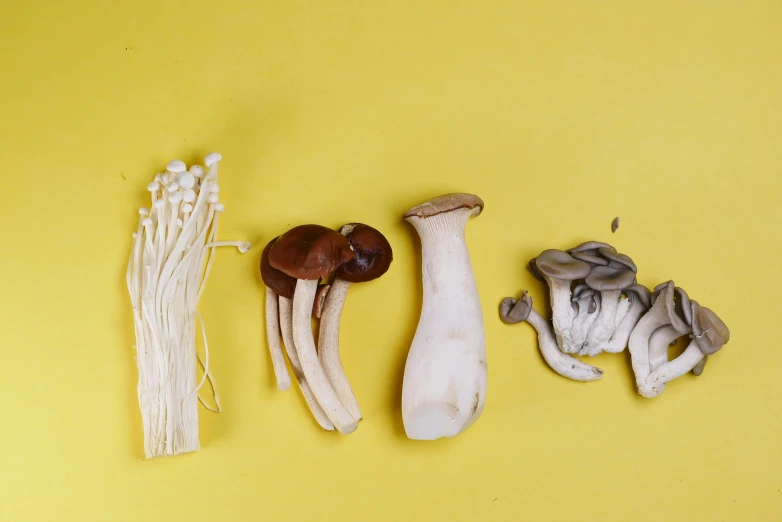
(372, 250)
(617, 260)
(310, 252)
(589, 246)
(586, 257)
(709, 330)
(604, 278)
(643, 294)
(445, 203)
(561, 265)
(279, 281)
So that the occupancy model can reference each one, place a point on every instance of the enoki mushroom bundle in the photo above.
(172, 254)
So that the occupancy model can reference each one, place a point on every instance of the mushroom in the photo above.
(639, 298)
(709, 335)
(277, 283)
(518, 310)
(282, 285)
(309, 253)
(610, 282)
(444, 388)
(320, 300)
(373, 256)
(560, 269)
(614, 224)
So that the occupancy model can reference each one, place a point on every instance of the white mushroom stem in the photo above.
(273, 340)
(165, 275)
(638, 344)
(581, 324)
(565, 365)
(328, 345)
(655, 383)
(303, 298)
(605, 324)
(286, 325)
(622, 332)
(444, 388)
(562, 312)
(659, 342)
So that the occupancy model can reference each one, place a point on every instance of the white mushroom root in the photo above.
(444, 388)
(169, 265)
(514, 311)
(672, 315)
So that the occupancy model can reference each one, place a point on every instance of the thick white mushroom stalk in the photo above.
(444, 388)
(170, 261)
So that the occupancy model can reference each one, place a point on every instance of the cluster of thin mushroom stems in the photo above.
(598, 306)
(171, 257)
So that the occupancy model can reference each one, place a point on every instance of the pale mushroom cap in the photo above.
(446, 203)
(589, 245)
(604, 278)
(619, 260)
(683, 305)
(582, 291)
(212, 158)
(561, 265)
(176, 166)
(533, 268)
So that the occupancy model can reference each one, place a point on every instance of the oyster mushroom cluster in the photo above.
(295, 267)
(598, 306)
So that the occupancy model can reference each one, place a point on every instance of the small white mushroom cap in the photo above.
(147, 222)
(219, 207)
(176, 166)
(143, 211)
(185, 180)
(172, 187)
(160, 203)
(154, 186)
(214, 198)
(197, 171)
(176, 197)
(216, 188)
(212, 158)
(188, 196)
(187, 207)
(179, 223)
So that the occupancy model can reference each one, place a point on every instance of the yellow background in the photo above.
(561, 115)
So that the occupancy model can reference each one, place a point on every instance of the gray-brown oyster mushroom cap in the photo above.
(533, 268)
(683, 305)
(709, 331)
(617, 260)
(586, 257)
(590, 247)
(513, 311)
(558, 264)
(605, 278)
(580, 290)
(642, 293)
(676, 320)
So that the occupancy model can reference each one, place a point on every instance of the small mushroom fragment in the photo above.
(614, 224)
(560, 269)
(309, 253)
(277, 284)
(373, 256)
(514, 311)
(444, 388)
